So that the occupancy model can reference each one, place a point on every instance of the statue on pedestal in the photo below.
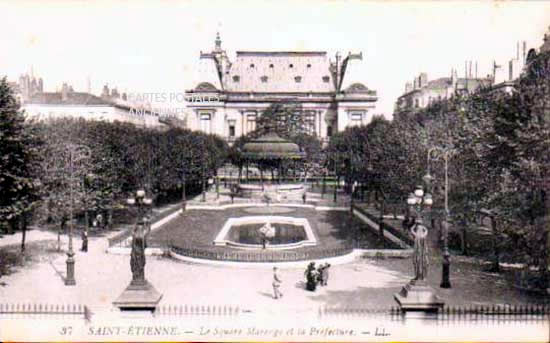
(420, 258)
(267, 232)
(137, 255)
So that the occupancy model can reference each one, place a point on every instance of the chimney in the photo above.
(453, 77)
(124, 97)
(470, 73)
(105, 92)
(423, 79)
(114, 93)
(476, 69)
(64, 92)
(517, 50)
(510, 70)
(408, 87)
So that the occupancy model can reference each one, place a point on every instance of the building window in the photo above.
(236, 78)
(329, 131)
(252, 65)
(205, 122)
(264, 79)
(310, 122)
(291, 65)
(250, 121)
(231, 125)
(271, 66)
(356, 118)
(309, 65)
(326, 79)
(416, 103)
(298, 79)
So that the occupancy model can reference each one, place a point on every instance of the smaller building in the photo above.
(68, 103)
(422, 92)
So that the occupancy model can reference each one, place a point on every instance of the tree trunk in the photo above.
(183, 196)
(262, 178)
(23, 232)
(61, 226)
(496, 250)
(463, 241)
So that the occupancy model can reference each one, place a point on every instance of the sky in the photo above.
(154, 46)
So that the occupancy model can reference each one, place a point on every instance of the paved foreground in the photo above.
(101, 277)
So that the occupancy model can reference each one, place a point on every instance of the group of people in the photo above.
(314, 276)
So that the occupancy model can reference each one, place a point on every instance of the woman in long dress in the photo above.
(137, 257)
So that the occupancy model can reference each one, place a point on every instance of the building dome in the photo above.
(271, 146)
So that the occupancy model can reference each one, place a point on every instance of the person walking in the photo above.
(276, 284)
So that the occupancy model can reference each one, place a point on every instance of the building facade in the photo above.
(68, 103)
(233, 94)
(422, 92)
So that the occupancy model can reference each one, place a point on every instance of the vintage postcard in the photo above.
(274, 171)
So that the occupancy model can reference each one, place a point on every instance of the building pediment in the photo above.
(205, 87)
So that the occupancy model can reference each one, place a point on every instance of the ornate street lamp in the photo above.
(417, 295)
(445, 154)
(77, 153)
(140, 295)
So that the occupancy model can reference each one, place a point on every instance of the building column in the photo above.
(342, 120)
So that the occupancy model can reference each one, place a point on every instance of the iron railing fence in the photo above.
(45, 310)
(263, 256)
(496, 313)
(198, 310)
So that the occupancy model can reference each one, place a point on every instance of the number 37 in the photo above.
(66, 330)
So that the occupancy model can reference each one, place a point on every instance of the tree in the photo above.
(64, 171)
(18, 169)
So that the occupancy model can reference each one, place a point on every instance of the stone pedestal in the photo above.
(418, 296)
(139, 297)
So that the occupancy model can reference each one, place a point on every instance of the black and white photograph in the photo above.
(297, 171)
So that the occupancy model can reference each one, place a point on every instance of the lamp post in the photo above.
(203, 198)
(77, 153)
(324, 185)
(445, 154)
(335, 194)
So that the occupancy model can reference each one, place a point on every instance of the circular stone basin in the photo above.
(250, 234)
(243, 233)
(269, 210)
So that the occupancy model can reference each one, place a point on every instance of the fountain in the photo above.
(266, 232)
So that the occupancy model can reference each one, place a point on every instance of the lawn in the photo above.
(198, 228)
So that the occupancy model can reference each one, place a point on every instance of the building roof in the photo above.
(82, 99)
(73, 98)
(271, 146)
(443, 83)
(279, 71)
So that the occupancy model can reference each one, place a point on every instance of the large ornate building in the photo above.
(232, 94)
